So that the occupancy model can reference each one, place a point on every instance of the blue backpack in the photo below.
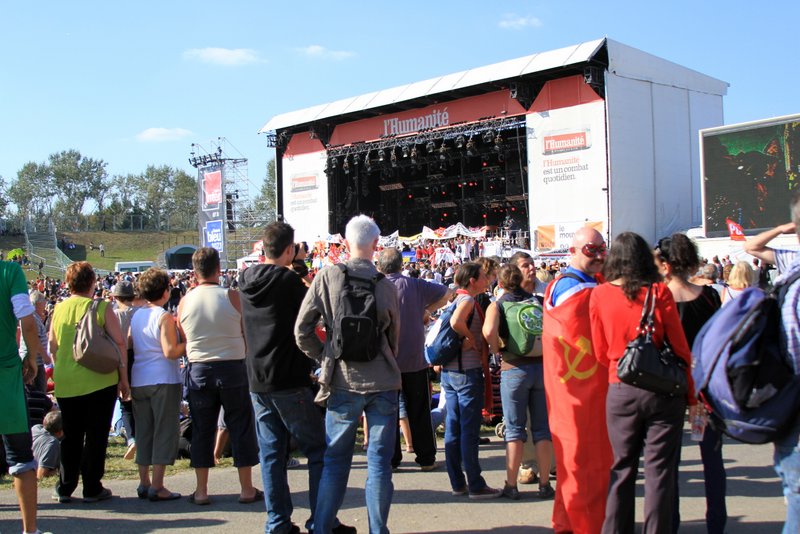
(442, 343)
(741, 370)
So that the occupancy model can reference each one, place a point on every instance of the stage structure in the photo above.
(597, 133)
(228, 220)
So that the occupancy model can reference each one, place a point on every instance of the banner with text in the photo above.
(305, 195)
(211, 209)
(568, 176)
(469, 109)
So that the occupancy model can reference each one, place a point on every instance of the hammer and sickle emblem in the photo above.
(584, 347)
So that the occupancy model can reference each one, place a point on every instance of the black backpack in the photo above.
(356, 333)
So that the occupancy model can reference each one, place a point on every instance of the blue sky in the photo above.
(137, 83)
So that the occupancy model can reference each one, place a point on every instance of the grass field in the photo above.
(125, 246)
(120, 246)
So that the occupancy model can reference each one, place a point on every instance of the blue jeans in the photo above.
(522, 393)
(787, 465)
(464, 393)
(341, 424)
(280, 416)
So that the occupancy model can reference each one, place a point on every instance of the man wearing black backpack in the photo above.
(359, 371)
(280, 378)
(787, 449)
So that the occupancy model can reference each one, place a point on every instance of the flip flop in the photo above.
(199, 502)
(153, 496)
(259, 496)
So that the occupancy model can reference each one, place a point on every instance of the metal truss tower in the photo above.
(244, 220)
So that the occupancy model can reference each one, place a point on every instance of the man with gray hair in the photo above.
(367, 382)
(787, 449)
(416, 296)
(39, 302)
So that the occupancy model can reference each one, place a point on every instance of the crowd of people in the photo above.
(292, 355)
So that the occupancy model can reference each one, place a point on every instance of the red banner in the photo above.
(736, 230)
(576, 386)
(470, 109)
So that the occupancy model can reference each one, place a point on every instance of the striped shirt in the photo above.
(788, 263)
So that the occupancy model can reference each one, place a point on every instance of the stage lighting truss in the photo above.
(434, 142)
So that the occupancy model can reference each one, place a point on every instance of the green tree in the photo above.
(77, 180)
(3, 197)
(266, 203)
(184, 193)
(33, 192)
(167, 197)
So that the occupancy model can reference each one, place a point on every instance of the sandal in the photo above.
(259, 496)
(199, 502)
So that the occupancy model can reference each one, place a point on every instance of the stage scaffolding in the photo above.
(244, 217)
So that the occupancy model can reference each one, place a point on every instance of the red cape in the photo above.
(576, 386)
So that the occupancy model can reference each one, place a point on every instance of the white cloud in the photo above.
(516, 22)
(320, 52)
(160, 135)
(229, 57)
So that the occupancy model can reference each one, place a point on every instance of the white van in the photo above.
(132, 266)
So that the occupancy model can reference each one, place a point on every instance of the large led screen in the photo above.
(749, 174)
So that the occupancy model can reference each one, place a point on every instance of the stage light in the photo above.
(471, 147)
(367, 162)
(460, 142)
(414, 155)
(405, 151)
(346, 166)
(498, 143)
(381, 155)
(443, 152)
(332, 162)
(393, 158)
(430, 147)
(488, 136)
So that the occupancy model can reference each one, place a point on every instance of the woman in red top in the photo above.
(638, 419)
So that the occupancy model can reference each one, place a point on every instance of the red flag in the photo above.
(576, 386)
(736, 230)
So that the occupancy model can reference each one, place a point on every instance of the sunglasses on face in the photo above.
(590, 250)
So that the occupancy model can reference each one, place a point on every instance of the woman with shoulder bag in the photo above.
(462, 383)
(521, 388)
(638, 419)
(678, 260)
(86, 398)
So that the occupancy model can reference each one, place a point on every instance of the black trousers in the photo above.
(417, 392)
(640, 420)
(87, 419)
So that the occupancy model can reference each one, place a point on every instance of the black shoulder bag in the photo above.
(647, 367)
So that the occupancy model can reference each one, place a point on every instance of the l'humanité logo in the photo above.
(557, 143)
(435, 119)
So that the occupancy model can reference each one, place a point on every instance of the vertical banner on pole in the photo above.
(211, 215)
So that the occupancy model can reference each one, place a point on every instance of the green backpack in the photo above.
(524, 319)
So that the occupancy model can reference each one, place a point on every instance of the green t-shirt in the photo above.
(12, 282)
(13, 416)
(71, 379)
